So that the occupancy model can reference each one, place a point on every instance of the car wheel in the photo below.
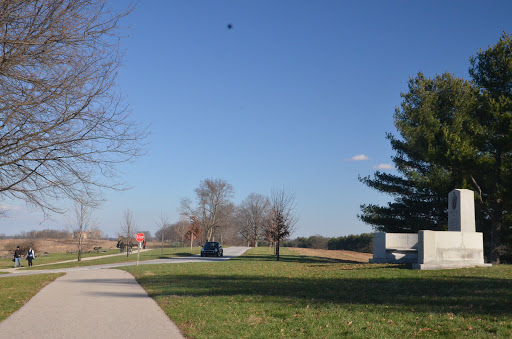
(222, 253)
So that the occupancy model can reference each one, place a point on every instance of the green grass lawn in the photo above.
(16, 291)
(148, 255)
(52, 257)
(255, 296)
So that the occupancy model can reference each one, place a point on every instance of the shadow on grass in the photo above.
(183, 254)
(166, 256)
(297, 259)
(317, 260)
(467, 295)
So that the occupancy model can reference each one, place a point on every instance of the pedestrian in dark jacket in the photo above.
(17, 257)
(30, 256)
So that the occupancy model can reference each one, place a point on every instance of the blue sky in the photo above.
(282, 100)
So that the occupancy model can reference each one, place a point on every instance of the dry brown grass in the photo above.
(332, 254)
(7, 246)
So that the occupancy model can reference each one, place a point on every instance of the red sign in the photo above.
(140, 237)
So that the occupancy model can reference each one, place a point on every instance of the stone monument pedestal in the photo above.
(458, 247)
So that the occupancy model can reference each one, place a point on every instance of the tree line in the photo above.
(92, 233)
(357, 243)
(43, 234)
(212, 216)
(453, 133)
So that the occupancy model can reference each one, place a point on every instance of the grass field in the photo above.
(255, 296)
(148, 255)
(16, 291)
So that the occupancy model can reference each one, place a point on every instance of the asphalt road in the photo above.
(96, 302)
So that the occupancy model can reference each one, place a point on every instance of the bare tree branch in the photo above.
(163, 224)
(251, 217)
(127, 230)
(81, 221)
(213, 205)
(63, 125)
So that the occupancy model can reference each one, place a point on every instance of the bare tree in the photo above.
(251, 214)
(63, 125)
(213, 203)
(80, 222)
(128, 229)
(181, 228)
(281, 219)
(194, 231)
(163, 228)
(230, 233)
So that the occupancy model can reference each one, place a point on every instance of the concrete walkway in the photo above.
(96, 302)
(15, 269)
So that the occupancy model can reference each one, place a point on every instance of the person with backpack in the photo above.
(30, 256)
(17, 257)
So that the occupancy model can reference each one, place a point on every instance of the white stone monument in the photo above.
(460, 247)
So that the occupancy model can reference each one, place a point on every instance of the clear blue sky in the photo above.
(283, 99)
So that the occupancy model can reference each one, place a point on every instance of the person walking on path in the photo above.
(17, 257)
(30, 256)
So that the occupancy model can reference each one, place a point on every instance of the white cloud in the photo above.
(384, 167)
(359, 157)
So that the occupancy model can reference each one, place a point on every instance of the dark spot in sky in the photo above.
(230, 26)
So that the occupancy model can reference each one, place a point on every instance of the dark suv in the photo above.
(212, 248)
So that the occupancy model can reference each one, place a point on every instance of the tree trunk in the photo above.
(495, 241)
(80, 246)
(497, 213)
(277, 250)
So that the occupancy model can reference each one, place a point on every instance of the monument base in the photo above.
(450, 249)
(446, 266)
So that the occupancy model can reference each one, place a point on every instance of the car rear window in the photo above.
(210, 245)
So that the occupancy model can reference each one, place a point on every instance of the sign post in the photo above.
(140, 238)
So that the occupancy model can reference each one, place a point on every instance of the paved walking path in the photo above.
(96, 302)
(15, 269)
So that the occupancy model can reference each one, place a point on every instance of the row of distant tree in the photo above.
(93, 233)
(357, 243)
(212, 215)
